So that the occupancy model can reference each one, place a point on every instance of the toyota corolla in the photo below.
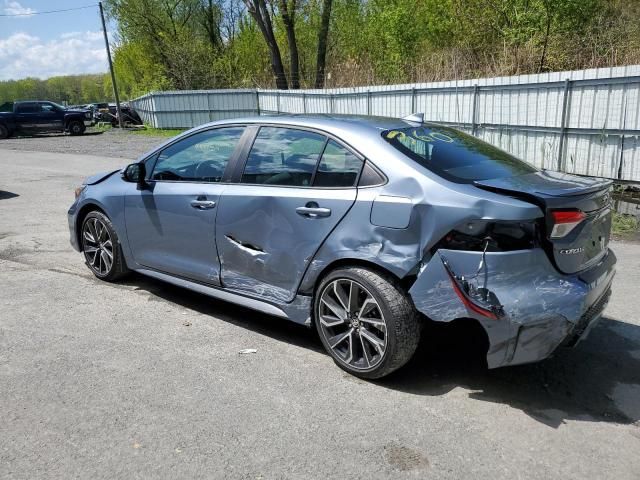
(363, 228)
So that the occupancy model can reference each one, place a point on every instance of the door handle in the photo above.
(203, 204)
(313, 212)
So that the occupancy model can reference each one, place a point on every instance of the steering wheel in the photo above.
(208, 169)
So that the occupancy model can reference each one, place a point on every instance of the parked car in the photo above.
(42, 116)
(362, 227)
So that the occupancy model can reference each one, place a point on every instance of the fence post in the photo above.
(368, 102)
(413, 101)
(474, 111)
(258, 101)
(278, 104)
(331, 105)
(563, 124)
(304, 102)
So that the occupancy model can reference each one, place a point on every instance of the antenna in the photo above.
(414, 118)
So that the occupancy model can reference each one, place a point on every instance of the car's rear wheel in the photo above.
(76, 128)
(4, 132)
(366, 321)
(101, 247)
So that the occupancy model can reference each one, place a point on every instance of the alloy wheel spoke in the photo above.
(377, 343)
(338, 339)
(337, 310)
(105, 260)
(365, 351)
(331, 321)
(354, 290)
(341, 296)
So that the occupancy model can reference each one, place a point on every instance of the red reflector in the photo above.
(567, 216)
(468, 303)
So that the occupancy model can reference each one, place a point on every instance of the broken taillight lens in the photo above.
(564, 221)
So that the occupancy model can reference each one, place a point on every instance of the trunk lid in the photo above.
(587, 243)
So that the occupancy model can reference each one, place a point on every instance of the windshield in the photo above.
(454, 155)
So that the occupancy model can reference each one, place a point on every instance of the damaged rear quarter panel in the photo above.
(540, 305)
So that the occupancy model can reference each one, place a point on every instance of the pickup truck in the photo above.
(41, 116)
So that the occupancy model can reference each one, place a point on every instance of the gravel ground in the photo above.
(111, 143)
(140, 379)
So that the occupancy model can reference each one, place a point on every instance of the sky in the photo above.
(52, 44)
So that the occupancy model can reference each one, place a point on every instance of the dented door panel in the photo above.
(266, 239)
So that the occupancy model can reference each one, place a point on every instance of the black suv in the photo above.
(42, 116)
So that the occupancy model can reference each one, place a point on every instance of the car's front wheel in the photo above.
(366, 321)
(101, 247)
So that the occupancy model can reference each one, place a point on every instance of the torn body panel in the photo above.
(541, 307)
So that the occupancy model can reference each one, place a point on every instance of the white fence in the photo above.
(585, 122)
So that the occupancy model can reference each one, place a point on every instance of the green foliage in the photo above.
(623, 225)
(72, 89)
(193, 44)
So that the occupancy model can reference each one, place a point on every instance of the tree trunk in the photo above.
(258, 10)
(288, 18)
(546, 39)
(323, 33)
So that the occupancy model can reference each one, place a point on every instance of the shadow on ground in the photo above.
(7, 195)
(578, 383)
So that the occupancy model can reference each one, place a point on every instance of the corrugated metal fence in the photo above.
(585, 122)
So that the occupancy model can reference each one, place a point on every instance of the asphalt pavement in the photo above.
(144, 380)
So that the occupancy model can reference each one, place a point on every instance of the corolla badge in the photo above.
(571, 251)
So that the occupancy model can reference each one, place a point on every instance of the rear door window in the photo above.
(27, 108)
(338, 167)
(283, 156)
(454, 155)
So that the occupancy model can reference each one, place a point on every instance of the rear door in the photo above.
(171, 224)
(27, 115)
(296, 185)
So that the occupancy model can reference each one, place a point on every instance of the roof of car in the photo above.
(328, 122)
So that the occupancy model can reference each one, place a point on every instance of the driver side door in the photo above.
(171, 224)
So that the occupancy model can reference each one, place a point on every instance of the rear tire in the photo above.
(366, 321)
(76, 128)
(101, 248)
(4, 132)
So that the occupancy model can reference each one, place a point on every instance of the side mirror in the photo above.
(136, 173)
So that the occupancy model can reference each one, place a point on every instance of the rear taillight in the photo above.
(564, 221)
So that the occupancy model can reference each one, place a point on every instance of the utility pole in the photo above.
(113, 76)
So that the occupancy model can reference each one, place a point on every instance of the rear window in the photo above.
(454, 155)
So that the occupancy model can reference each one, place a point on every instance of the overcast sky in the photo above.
(43, 46)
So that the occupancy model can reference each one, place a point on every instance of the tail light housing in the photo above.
(564, 221)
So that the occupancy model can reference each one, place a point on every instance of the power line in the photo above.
(43, 13)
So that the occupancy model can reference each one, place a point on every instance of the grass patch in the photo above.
(624, 224)
(157, 132)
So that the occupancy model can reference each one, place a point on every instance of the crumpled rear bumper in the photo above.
(542, 308)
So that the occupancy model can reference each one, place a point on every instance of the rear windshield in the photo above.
(454, 155)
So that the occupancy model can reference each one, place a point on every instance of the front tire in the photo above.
(101, 248)
(366, 321)
(76, 128)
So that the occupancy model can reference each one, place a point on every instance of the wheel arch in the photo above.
(82, 213)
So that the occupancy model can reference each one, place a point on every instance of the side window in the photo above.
(338, 167)
(202, 157)
(27, 108)
(47, 107)
(283, 156)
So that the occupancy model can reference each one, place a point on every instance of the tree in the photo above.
(288, 12)
(259, 12)
(323, 33)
